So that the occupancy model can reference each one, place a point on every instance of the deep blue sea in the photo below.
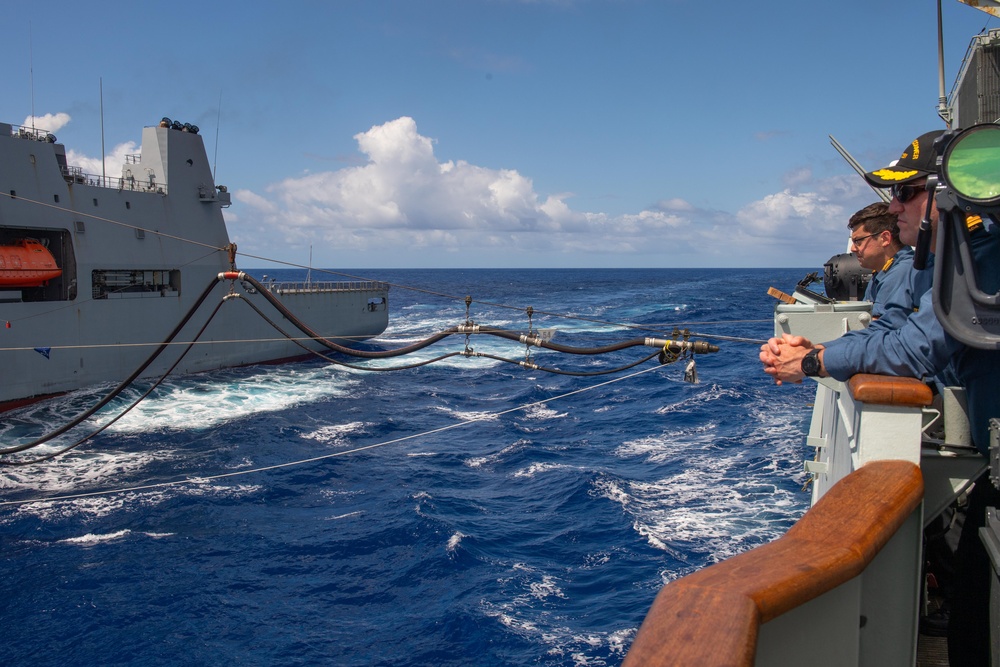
(535, 529)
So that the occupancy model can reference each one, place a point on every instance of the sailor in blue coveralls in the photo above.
(892, 277)
(917, 346)
(875, 242)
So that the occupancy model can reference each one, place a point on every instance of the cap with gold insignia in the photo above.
(918, 160)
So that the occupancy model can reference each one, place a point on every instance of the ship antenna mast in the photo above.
(943, 110)
(104, 169)
(31, 75)
(218, 122)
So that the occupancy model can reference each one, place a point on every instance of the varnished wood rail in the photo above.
(711, 617)
(890, 390)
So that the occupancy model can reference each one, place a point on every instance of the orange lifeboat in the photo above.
(27, 263)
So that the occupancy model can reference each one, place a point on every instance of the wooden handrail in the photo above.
(890, 390)
(712, 617)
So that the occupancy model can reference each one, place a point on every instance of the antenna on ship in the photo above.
(943, 110)
(218, 122)
(310, 269)
(31, 76)
(104, 174)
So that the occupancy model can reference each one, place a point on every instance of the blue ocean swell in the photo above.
(539, 536)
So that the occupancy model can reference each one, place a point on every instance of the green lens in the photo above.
(972, 165)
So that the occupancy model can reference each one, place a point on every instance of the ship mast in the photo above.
(31, 75)
(943, 111)
(104, 169)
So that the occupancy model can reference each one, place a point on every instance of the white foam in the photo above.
(454, 541)
(618, 640)
(113, 503)
(204, 401)
(542, 412)
(561, 640)
(672, 444)
(84, 470)
(699, 519)
(490, 459)
(90, 538)
(421, 497)
(337, 434)
(545, 588)
(539, 468)
(709, 394)
(711, 507)
(470, 415)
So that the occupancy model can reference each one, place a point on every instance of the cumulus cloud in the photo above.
(784, 210)
(113, 161)
(403, 198)
(403, 192)
(49, 122)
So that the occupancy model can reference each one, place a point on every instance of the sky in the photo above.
(504, 133)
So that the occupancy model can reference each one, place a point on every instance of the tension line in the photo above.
(314, 459)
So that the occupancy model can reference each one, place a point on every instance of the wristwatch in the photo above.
(810, 363)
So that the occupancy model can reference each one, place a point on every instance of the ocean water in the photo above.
(468, 512)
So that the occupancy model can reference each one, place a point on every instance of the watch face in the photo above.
(810, 363)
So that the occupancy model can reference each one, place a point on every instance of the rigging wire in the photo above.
(556, 371)
(468, 328)
(732, 339)
(672, 351)
(314, 459)
(580, 318)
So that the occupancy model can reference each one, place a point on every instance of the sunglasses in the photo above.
(905, 193)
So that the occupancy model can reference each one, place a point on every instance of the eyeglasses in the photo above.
(856, 241)
(904, 193)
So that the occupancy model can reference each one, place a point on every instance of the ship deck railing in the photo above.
(32, 134)
(321, 287)
(76, 175)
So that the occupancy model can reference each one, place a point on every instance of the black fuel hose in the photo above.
(121, 387)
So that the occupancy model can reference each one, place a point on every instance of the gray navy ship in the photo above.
(97, 273)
